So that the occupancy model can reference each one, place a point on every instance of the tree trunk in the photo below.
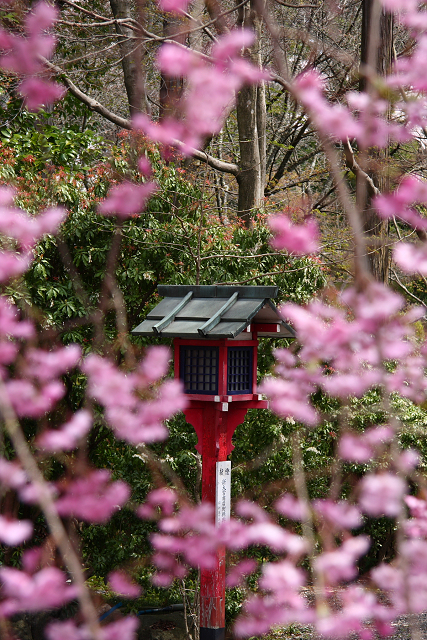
(375, 227)
(171, 88)
(249, 177)
(131, 54)
(251, 124)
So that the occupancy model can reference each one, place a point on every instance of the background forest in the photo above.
(205, 224)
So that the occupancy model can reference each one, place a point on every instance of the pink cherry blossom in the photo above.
(42, 16)
(210, 92)
(68, 436)
(231, 44)
(289, 399)
(168, 132)
(124, 629)
(28, 400)
(340, 564)
(355, 448)
(14, 532)
(10, 323)
(121, 629)
(120, 583)
(45, 589)
(127, 199)
(174, 6)
(49, 221)
(411, 258)
(37, 93)
(93, 498)
(7, 196)
(11, 474)
(239, 571)
(334, 120)
(377, 436)
(381, 494)
(144, 166)
(31, 559)
(13, 265)
(340, 514)
(66, 630)
(291, 507)
(282, 577)
(408, 460)
(48, 365)
(36, 493)
(164, 499)
(155, 364)
(301, 239)
(177, 61)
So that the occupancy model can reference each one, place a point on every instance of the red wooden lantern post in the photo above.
(215, 331)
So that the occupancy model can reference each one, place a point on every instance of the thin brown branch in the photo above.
(93, 104)
(353, 165)
(46, 502)
(396, 278)
(298, 6)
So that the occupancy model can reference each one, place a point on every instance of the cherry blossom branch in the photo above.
(47, 504)
(307, 520)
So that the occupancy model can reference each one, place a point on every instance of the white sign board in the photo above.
(223, 492)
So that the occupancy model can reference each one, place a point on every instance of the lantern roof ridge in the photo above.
(217, 291)
(214, 312)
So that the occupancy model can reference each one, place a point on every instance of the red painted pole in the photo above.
(212, 582)
(214, 427)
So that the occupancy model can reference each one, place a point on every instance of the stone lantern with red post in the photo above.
(215, 331)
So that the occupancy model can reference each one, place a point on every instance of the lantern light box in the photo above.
(215, 331)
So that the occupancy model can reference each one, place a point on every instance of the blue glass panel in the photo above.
(239, 371)
(199, 369)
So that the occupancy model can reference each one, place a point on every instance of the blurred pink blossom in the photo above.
(11, 474)
(411, 258)
(28, 400)
(37, 92)
(127, 199)
(381, 494)
(144, 166)
(340, 514)
(120, 583)
(340, 564)
(68, 436)
(124, 629)
(45, 589)
(231, 44)
(14, 532)
(239, 571)
(354, 448)
(155, 364)
(48, 365)
(93, 498)
(291, 507)
(300, 239)
(174, 6)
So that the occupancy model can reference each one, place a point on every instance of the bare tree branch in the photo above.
(124, 123)
(352, 164)
(93, 104)
(298, 6)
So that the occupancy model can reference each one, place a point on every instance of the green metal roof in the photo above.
(213, 312)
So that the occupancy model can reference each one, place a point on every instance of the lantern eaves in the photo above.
(214, 312)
